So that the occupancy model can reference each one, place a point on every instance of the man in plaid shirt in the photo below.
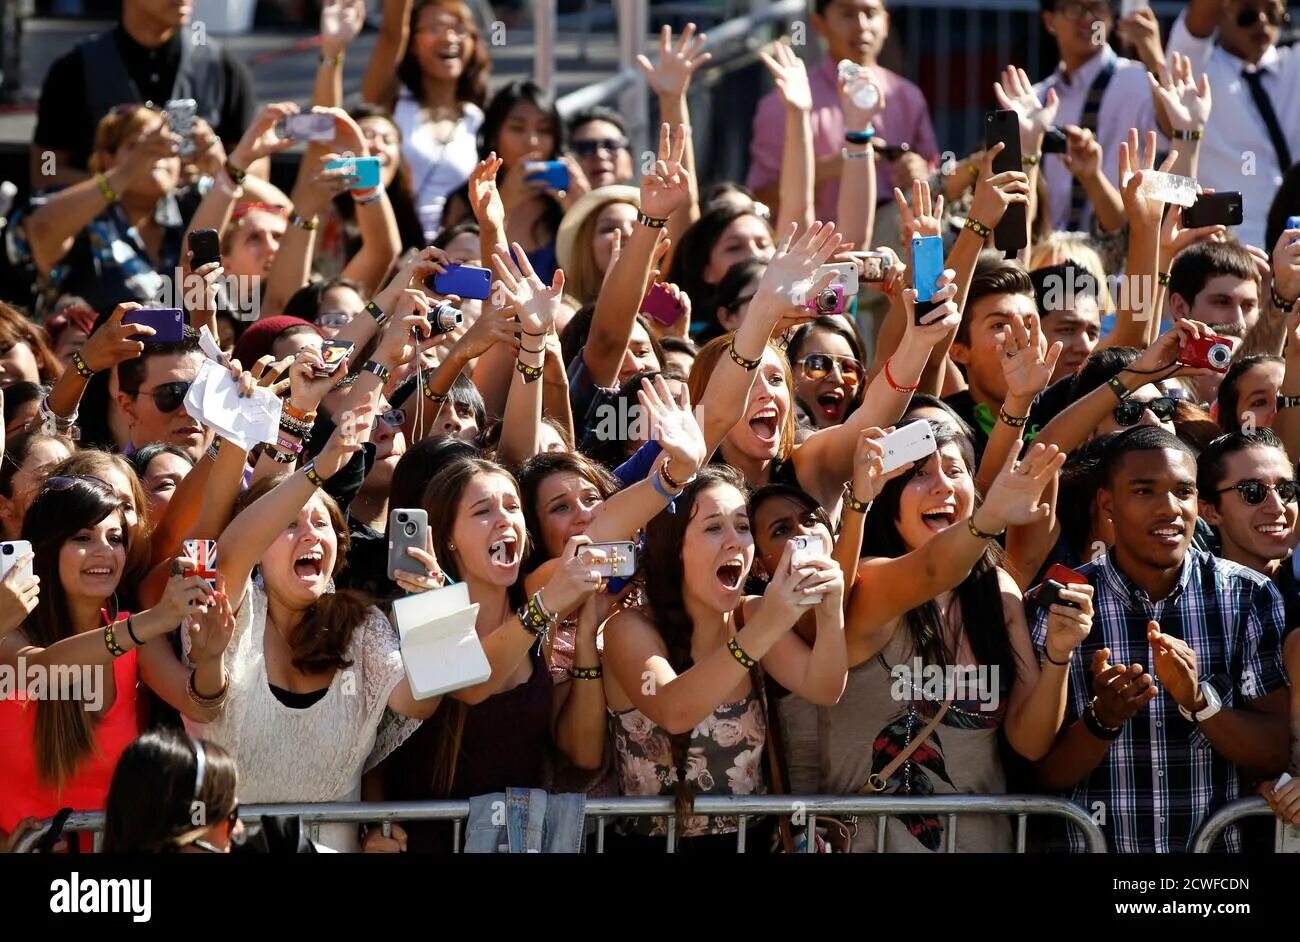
(1157, 755)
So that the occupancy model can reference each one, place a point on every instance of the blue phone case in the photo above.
(168, 324)
(1293, 222)
(465, 281)
(927, 265)
(365, 170)
(554, 172)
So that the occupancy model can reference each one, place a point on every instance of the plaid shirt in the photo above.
(1161, 778)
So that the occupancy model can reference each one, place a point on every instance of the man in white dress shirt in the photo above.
(1117, 87)
(1253, 134)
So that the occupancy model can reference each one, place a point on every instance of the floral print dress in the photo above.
(725, 757)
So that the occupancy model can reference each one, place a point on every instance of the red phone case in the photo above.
(1064, 575)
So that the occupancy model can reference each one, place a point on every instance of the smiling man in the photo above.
(152, 392)
(1179, 691)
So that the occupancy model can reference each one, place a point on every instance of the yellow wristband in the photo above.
(105, 188)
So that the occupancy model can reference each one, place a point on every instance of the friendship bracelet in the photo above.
(309, 224)
(1012, 420)
(743, 362)
(434, 396)
(375, 311)
(534, 616)
(81, 366)
(1095, 726)
(375, 193)
(739, 654)
(309, 469)
(657, 482)
(650, 222)
(1280, 303)
(889, 378)
(847, 154)
(586, 673)
(978, 533)
(236, 175)
(529, 373)
(852, 502)
(105, 188)
(1188, 135)
(977, 227)
(110, 642)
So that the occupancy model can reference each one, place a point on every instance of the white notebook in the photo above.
(440, 648)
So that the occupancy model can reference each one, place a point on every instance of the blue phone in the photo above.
(364, 170)
(554, 172)
(927, 266)
(1293, 222)
(464, 281)
(168, 324)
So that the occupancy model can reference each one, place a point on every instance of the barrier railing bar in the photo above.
(1230, 814)
(880, 834)
(952, 834)
(740, 833)
(1022, 823)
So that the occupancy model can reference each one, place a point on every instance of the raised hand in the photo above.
(402, 334)
(430, 261)
(209, 153)
(575, 578)
(1141, 30)
(520, 287)
(855, 118)
(211, 628)
(790, 75)
(19, 593)
(674, 427)
(340, 23)
(183, 595)
(995, 192)
(484, 198)
(785, 600)
(1027, 363)
(432, 578)
(1083, 159)
(316, 190)
(1016, 93)
(922, 217)
(1119, 692)
(495, 325)
(788, 281)
(1186, 102)
(1015, 496)
(1068, 627)
(1160, 360)
(260, 139)
(1286, 265)
(350, 434)
(935, 326)
(869, 475)
(667, 186)
(306, 389)
(139, 155)
(110, 344)
(1174, 238)
(677, 64)
(1142, 211)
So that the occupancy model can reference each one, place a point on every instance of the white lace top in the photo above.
(437, 168)
(318, 753)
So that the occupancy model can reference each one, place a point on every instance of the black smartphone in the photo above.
(54, 834)
(1213, 209)
(1055, 141)
(206, 246)
(1004, 127)
(893, 151)
(1050, 594)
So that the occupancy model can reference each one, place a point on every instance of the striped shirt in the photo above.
(1161, 779)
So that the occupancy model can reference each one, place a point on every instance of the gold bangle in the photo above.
(105, 188)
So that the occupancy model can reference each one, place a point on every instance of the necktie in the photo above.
(1255, 84)
(1088, 120)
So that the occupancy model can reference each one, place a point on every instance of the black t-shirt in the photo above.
(64, 120)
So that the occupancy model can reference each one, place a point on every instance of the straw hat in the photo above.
(591, 203)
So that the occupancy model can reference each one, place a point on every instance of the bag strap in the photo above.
(878, 781)
(775, 746)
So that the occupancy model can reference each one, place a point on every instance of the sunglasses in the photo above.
(333, 319)
(1129, 412)
(1076, 11)
(817, 366)
(65, 482)
(594, 146)
(1254, 492)
(1274, 16)
(167, 397)
(393, 418)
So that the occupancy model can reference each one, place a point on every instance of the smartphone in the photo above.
(180, 117)
(205, 245)
(332, 354)
(619, 561)
(204, 553)
(1214, 209)
(406, 528)
(1055, 141)
(1065, 575)
(660, 305)
(893, 151)
(363, 170)
(844, 273)
(1293, 222)
(1049, 594)
(10, 552)
(464, 281)
(554, 172)
(306, 127)
(804, 548)
(912, 442)
(1128, 7)
(168, 324)
(927, 266)
(1004, 127)
(875, 265)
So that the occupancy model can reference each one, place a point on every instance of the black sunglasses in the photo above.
(594, 146)
(167, 397)
(1274, 16)
(1254, 492)
(64, 482)
(1129, 412)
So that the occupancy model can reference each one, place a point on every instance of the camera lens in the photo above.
(1219, 356)
(409, 529)
(826, 300)
(8, 550)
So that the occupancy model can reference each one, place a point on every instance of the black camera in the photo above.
(1055, 141)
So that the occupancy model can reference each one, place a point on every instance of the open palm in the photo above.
(520, 288)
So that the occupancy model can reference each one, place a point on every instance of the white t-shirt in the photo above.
(436, 169)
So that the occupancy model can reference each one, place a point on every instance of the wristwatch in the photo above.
(1213, 704)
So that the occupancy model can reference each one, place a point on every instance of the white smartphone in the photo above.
(804, 548)
(619, 561)
(1128, 7)
(912, 442)
(10, 552)
(846, 274)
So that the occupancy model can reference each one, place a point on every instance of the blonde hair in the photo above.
(583, 277)
(1058, 248)
(116, 128)
(711, 355)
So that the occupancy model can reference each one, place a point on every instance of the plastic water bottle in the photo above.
(861, 91)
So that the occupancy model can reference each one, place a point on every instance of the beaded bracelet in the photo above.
(889, 378)
(668, 478)
(739, 653)
(110, 642)
(1015, 421)
(294, 427)
(586, 673)
(744, 363)
(977, 227)
(1281, 303)
(657, 482)
(105, 188)
(81, 366)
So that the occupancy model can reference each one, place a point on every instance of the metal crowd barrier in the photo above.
(1233, 813)
(739, 806)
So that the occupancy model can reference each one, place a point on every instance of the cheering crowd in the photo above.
(936, 475)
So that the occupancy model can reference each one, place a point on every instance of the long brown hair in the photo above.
(665, 577)
(441, 502)
(472, 85)
(702, 371)
(321, 639)
(15, 328)
(64, 732)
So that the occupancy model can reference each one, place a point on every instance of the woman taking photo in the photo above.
(59, 747)
(429, 68)
(685, 703)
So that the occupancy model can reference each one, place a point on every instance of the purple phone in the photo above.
(464, 281)
(168, 324)
(660, 304)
